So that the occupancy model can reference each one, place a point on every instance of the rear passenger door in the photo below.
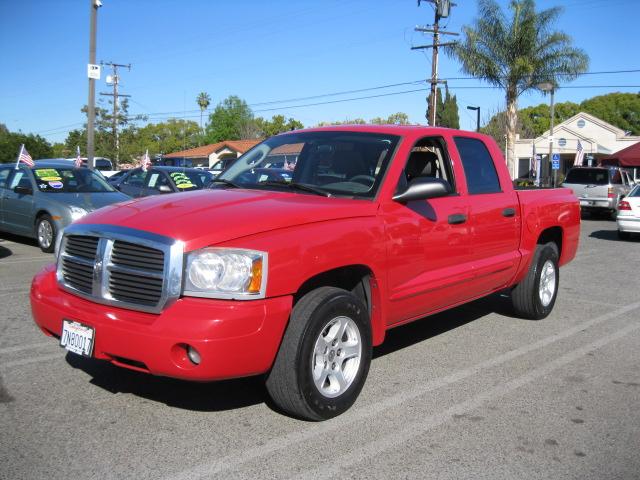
(494, 218)
(19, 208)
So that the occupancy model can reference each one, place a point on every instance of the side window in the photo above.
(428, 158)
(4, 175)
(157, 179)
(478, 166)
(136, 179)
(20, 178)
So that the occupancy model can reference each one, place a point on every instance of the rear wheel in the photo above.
(535, 296)
(46, 233)
(324, 357)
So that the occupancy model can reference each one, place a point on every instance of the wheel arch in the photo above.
(552, 235)
(358, 279)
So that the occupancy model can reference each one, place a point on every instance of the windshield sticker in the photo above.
(47, 174)
(56, 185)
(153, 180)
(181, 180)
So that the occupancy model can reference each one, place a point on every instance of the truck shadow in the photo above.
(18, 239)
(244, 392)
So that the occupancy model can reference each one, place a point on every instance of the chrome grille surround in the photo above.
(121, 280)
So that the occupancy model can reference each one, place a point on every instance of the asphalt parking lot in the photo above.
(471, 393)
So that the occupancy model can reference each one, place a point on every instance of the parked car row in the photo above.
(39, 201)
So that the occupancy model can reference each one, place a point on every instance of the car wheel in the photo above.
(324, 357)
(46, 233)
(623, 235)
(535, 296)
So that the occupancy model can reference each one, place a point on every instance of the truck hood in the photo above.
(208, 217)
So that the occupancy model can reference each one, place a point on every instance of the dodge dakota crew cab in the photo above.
(296, 271)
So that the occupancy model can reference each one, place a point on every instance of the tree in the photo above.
(496, 126)
(449, 114)
(517, 53)
(619, 109)
(232, 119)
(203, 100)
(10, 142)
(398, 118)
(277, 124)
(439, 106)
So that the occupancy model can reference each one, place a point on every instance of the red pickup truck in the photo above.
(300, 258)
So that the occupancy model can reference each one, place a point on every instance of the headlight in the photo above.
(226, 273)
(77, 213)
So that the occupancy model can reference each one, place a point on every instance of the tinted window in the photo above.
(342, 163)
(157, 180)
(20, 179)
(588, 176)
(478, 166)
(136, 179)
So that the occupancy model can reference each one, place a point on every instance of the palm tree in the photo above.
(204, 100)
(518, 53)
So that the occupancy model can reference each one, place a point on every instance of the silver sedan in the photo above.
(40, 201)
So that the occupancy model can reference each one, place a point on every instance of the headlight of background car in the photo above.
(226, 273)
(76, 212)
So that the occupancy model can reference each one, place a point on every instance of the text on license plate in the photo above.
(77, 338)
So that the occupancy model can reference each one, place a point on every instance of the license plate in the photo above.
(77, 338)
(587, 203)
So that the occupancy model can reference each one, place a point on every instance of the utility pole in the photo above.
(91, 104)
(115, 80)
(442, 8)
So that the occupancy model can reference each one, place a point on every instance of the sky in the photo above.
(279, 51)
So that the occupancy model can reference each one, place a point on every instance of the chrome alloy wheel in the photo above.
(336, 357)
(45, 234)
(547, 286)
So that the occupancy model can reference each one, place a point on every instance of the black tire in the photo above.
(291, 380)
(526, 297)
(45, 221)
(623, 235)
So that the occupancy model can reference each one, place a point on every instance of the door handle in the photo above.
(509, 212)
(457, 219)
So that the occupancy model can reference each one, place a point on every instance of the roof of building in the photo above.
(239, 146)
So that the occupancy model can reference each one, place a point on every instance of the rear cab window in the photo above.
(588, 176)
(478, 166)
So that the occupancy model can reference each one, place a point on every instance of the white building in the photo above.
(597, 137)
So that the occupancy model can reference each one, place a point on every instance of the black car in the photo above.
(160, 179)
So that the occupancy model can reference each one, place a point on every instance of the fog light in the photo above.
(193, 354)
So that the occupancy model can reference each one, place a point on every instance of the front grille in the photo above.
(82, 246)
(78, 275)
(120, 266)
(131, 255)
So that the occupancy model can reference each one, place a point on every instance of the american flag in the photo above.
(24, 157)
(577, 162)
(78, 161)
(145, 162)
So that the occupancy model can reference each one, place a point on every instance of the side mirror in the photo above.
(22, 190)
(423, 188)
(165, 189)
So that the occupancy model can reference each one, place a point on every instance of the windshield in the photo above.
(331, 163)
(588, 176)
(70, 180)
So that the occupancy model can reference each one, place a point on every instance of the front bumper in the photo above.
(234, 339)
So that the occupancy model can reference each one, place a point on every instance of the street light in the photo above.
(477, 117)
(550, 87)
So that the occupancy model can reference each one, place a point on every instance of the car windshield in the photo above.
(588, 176)
(188, 180)
(70, 180)
(331, 163)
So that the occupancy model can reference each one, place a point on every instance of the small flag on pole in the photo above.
(145, 163)
(577, 162)
(24, 157)
(78, 161)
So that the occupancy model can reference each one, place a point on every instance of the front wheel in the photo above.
(535, 296)
(324, 357)
(46, 233)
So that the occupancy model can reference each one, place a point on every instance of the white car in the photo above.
(628, 217)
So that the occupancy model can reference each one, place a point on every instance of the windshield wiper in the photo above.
(225, 181)
(296, 186)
